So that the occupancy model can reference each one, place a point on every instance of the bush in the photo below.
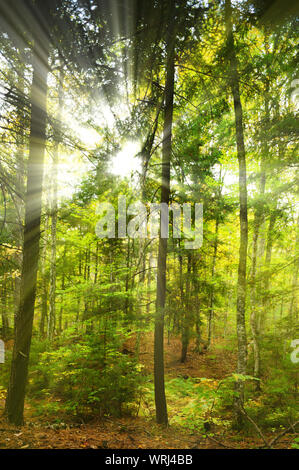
(88, 377)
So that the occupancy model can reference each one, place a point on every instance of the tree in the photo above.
(241, 287)
(160, 399)
(52, 294)
(37, 142)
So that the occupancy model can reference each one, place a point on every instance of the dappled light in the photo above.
(149, 226)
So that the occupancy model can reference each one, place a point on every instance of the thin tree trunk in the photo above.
(196, 306)
(57, 138)
(140, 294)
(266, 283)
(186, 313)
(258, 220)
(20, 184)
(211, 306)
(45, 279)
(241, 286)
(180, 314)
(293, 311)
(160, 399)
(96, 263)
(62, 288)
(253, 317)
(151, 266)
(4, 316)
(128, 274)
(258, 254)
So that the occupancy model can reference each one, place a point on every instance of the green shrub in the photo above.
(87, 377)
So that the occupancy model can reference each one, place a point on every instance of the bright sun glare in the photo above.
(126, 161)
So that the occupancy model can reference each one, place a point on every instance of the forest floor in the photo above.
(140, 432)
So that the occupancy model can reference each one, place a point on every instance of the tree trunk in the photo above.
(186, 313)
(241, 286)
(24, 321)
(62, 289)
(45, 279)
(160, 399)
(20, 185)
(128, 275)
(258, 220)
(293, 311)
(211, 306)
(253, 316)
(258, 254)
(266, 282)
(4, 316)
(57, 138)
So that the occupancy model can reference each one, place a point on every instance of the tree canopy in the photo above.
(112, 112)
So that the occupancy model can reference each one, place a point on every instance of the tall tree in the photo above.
(241, 286)
(37, 142)
(57, 137)
(160, 399)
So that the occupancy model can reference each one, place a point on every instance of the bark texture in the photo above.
(160, 399)
(241, 285)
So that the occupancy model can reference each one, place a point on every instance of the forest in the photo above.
(149, 224)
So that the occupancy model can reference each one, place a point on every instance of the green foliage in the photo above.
(295, 444)
(106, 287)
(88, 377)
(5, 371)
(191, 402)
